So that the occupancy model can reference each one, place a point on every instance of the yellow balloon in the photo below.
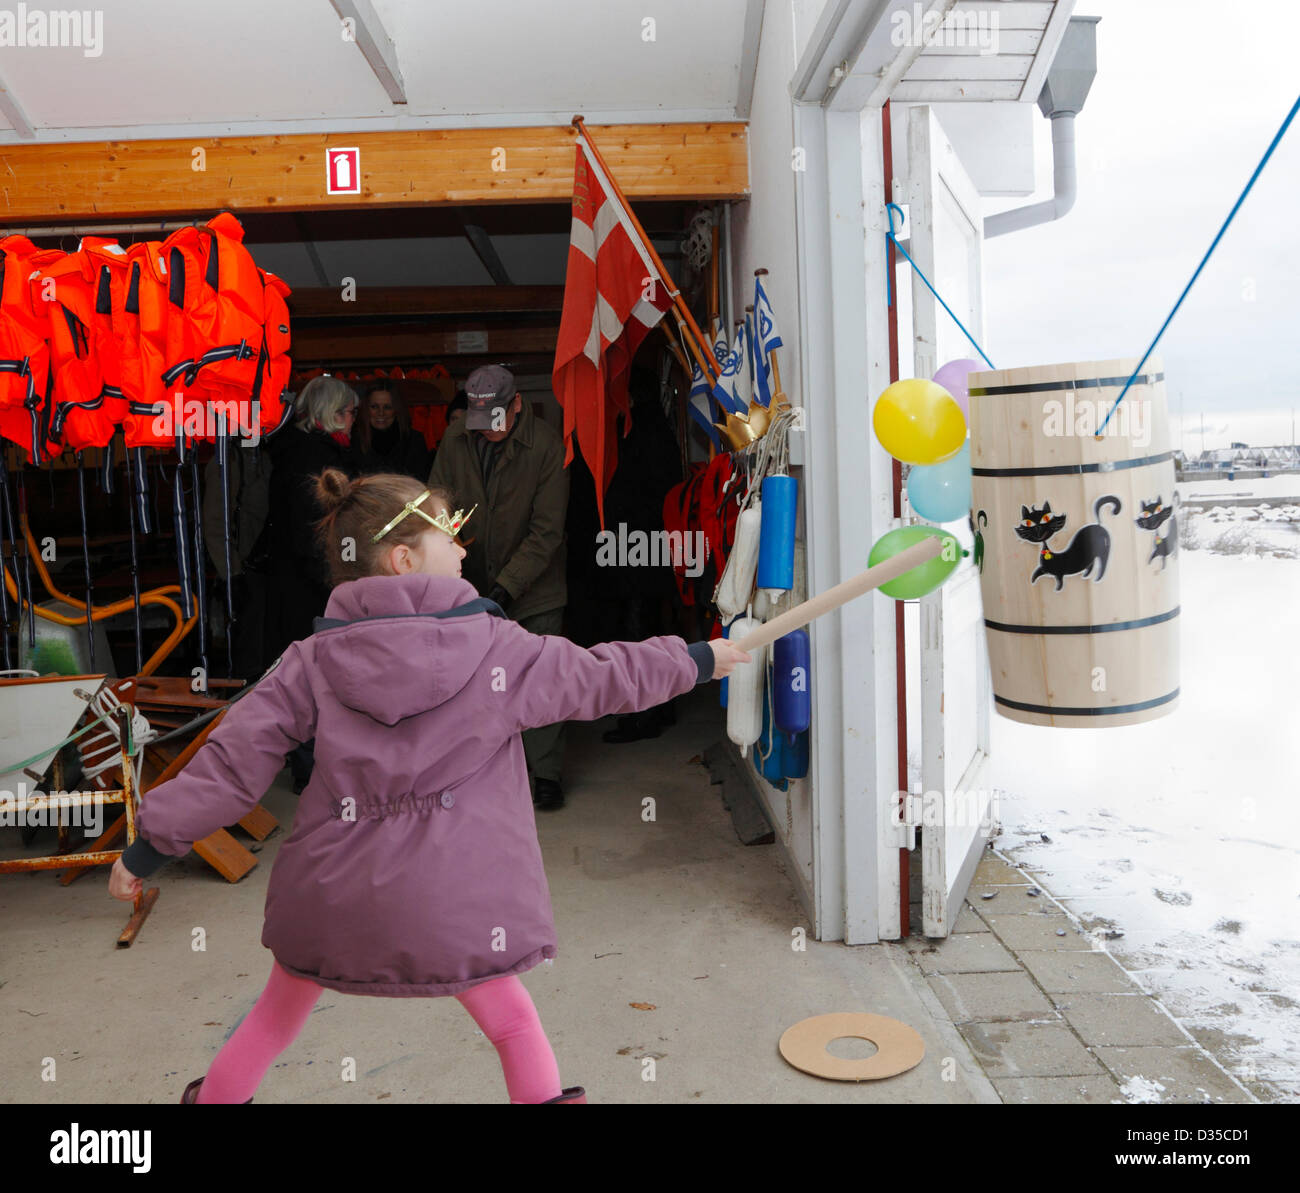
(919, 422)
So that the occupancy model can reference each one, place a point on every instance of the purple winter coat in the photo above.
(413, 867)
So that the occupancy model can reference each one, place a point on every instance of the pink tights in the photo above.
(502, 1008)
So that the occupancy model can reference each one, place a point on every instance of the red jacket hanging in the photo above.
(24, 344)
(140, 324)
(86, 402)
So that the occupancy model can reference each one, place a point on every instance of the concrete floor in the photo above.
(675, 914)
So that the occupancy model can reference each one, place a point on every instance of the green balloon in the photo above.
(917, 581)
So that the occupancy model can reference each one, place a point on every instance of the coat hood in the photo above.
(401, 665)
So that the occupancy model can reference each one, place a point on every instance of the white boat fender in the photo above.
(737, 583)
(745, 690)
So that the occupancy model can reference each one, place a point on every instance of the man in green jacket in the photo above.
(509, 463)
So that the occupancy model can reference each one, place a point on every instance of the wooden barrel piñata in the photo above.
(1076, 539)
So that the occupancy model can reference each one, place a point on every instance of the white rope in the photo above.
(106, 703)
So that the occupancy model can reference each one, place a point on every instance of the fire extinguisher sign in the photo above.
(343, 171)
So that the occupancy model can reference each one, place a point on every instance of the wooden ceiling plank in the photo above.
(307, 303)
(57, 183)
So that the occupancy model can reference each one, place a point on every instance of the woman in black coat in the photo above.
(385, 438)
(299, 578)
(298, 586)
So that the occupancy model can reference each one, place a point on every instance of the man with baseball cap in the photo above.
(510, 463)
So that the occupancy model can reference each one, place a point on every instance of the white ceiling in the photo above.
(256, 66)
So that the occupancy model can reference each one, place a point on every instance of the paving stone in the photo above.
(1029, 1050)
(967, 952)
(993, 871)
(968, 921)
(1187, 1074)
(1058, 1091)
(1060, 971)
(1011, 900)
(990, 997)
(1037, 932)
(1126, 1019)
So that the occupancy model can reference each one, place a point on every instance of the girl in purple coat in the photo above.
(413, 868)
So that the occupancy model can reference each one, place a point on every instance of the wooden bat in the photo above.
(841, 594)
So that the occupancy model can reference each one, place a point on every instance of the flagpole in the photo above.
(776, 369)
(713, 283)
(681, 310)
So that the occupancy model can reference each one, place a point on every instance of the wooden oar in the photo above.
(841, 594)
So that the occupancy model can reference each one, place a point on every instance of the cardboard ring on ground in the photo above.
(899, 1047)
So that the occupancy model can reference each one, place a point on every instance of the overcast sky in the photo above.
(1187, 97)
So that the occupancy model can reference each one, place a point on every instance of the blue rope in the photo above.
(894, 207)
(1241, 198)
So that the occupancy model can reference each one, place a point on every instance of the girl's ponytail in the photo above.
(333, 488)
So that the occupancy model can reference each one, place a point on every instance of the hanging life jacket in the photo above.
(189, 326)
(155, 412)
(86, 403)
(226, 369)
(24, 345)
(273, 362)
(217, 348)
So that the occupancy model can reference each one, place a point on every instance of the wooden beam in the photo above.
(306, 303)
(363, 25)
(59, 182)
(487, 253)
(12, 111)
(321, 345)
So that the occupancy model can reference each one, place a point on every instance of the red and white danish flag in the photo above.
(613, 296)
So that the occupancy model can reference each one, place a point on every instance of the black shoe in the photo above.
(547, 795)
(635, 727)
(191, 1094)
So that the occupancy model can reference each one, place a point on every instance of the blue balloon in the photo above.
(941, 492)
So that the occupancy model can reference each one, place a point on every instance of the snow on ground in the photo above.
(1265, 488)
(1268, 526)
(1184, 833)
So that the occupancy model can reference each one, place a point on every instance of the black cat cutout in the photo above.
(1090, 545)
(983, 519)
(1154, 515)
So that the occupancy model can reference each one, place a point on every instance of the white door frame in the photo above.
(840, 85)
(840, 237)
(953, 838)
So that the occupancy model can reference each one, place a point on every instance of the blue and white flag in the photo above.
(742, 378)
(700, 406)
(766, 338)
(724, 391)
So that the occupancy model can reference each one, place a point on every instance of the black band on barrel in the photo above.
(1114, 710)
(994, 391)
(1083, 629)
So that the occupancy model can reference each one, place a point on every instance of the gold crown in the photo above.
(450, 526)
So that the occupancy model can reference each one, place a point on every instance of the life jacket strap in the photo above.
(176, 370)
(61, 413)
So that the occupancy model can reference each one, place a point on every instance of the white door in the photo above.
(956, 809)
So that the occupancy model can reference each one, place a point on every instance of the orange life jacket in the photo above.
(191, 311)
(228, 329)
(140, 324)
(232, 341)
(24, 345)
(86, 400)
(273, 364)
